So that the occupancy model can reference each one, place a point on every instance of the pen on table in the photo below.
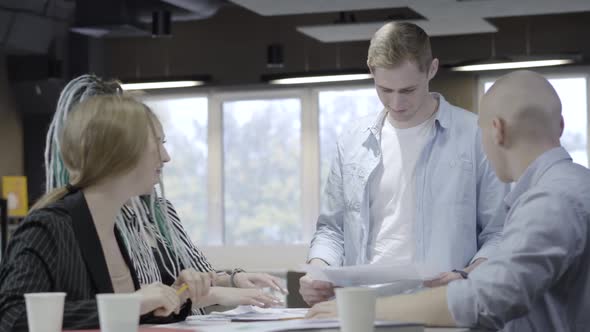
(184, 285)
(182, 289)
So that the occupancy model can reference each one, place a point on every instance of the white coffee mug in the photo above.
(118, 312)
(45, 311)
(356, 308)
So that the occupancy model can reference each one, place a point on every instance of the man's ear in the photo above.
(499, 131)
(562, 125)
(433, 69)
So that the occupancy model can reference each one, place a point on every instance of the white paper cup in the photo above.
(45, 311)
(118, 312)
(356, 308)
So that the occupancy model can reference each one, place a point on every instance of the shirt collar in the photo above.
(442, 116)
(535, 170)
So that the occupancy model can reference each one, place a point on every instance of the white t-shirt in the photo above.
(392, 193)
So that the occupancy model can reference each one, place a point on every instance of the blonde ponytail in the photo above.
(51, 197)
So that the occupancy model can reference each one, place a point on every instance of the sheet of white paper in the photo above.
(370, 274)
(302, 325)
(277, 326)
(253, 313)
(243, 313)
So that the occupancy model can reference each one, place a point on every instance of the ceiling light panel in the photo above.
(443, 17)
(293, 7)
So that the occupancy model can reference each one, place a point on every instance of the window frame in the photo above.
(216, 194)
(163, 95)
(282, 256)
(310, 145)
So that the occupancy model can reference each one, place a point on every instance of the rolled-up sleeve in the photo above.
(544, 234)
(461, 305)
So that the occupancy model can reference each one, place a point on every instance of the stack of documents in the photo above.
(292, 325)
(249, 313)
(370, 274)
(385, 279)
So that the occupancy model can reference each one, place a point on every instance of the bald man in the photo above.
(539, 279)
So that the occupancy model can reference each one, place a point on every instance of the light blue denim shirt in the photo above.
(539, 279)
(457, 195)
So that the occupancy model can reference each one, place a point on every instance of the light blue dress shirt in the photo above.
(539, 279)
(457, 195)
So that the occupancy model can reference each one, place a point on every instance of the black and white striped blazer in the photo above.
(56, 249)
(198, 260)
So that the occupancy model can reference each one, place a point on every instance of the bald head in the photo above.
(520, 119)
(527, 103)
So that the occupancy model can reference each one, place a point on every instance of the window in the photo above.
(574, 103)
(185, 177)
(337, 111)
(262, 182)
(249, 168)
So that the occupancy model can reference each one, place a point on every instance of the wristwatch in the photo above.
(462, 273)
(233, 274)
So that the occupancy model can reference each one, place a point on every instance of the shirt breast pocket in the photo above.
(353, 176)
(453, 181)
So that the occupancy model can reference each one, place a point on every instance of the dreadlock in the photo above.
(150, 226)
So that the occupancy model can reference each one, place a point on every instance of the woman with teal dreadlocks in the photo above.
(159, 247)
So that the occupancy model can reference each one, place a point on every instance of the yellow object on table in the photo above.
(182, 288)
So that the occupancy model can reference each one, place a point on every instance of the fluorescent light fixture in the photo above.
(318, 77)
(321, 79)
(515, 64)
(160, 85)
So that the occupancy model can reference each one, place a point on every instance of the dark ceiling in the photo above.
(218, 38)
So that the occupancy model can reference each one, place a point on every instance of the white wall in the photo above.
(257, 258)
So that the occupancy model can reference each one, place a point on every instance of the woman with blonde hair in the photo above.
(158, 245)
(113, 148)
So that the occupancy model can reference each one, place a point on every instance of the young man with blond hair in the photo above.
(539, 278)
(412, 185)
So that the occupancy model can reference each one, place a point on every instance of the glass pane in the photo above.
(574, 108)
(262, 171)
(339, 110)
(572, 92)
(185, 177)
